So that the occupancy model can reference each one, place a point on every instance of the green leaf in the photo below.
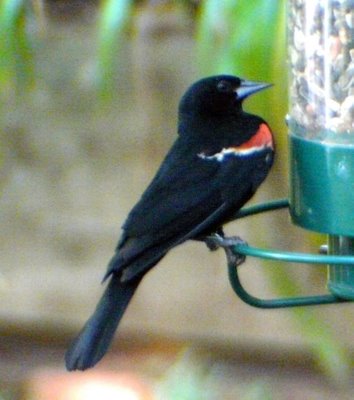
(113, 17)
(16, 58)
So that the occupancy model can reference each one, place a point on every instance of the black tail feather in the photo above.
(94, 339)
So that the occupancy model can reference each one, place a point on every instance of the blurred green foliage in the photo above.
(113, 18)
(240, 37)
(192, 378)
(331, 356)
(16, 67)
(258, 391)
(186, 379)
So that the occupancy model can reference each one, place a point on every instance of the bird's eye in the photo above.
(224, 87)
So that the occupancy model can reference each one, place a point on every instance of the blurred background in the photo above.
(89, 96)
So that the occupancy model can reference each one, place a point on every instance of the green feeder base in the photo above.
(322, 186)
(322, 198)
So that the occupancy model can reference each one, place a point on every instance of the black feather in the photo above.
(96, 336)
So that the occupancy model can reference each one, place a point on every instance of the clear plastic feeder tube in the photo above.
(321, 60)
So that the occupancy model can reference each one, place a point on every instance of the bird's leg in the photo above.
(216, 240)
(210, 241)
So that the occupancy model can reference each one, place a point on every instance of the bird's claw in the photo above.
(211, 243)
(234, 259)
(215, 241)
(323, 249)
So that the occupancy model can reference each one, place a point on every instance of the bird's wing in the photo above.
(184, 200)
(181, 194)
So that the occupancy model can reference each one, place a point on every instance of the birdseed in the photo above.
(321, 61)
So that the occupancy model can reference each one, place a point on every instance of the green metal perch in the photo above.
(284, 256)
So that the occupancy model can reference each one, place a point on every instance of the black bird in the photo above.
(221, 156)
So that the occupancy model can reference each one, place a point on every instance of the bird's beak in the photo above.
(248, 87)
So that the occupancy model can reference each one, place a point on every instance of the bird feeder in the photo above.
(321, 147)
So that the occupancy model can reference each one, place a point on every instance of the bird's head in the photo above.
(220, 94)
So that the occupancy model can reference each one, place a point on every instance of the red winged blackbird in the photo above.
(221, 156)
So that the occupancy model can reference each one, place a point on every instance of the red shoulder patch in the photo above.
(262, 138)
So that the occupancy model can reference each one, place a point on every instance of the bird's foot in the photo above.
(211, 243)
(215, 241)
(323, 249)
